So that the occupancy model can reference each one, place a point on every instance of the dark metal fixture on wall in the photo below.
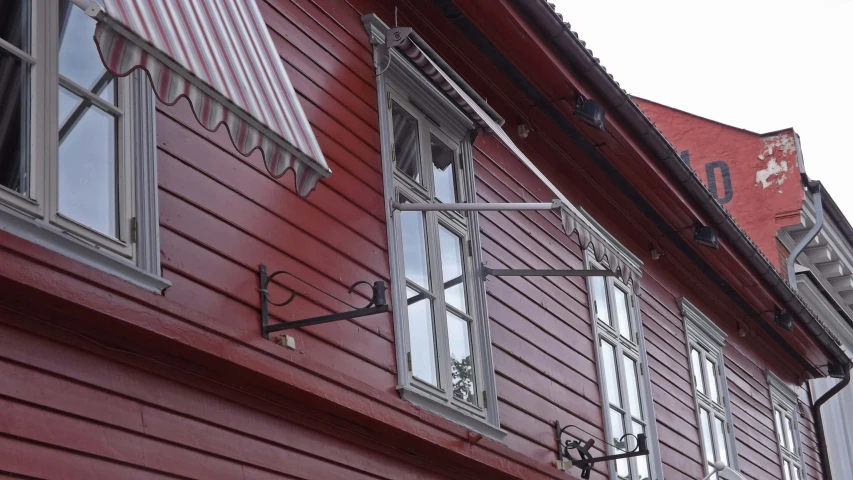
(835, 370)
(585, 460)
(590, 112)
(707, 236)
(377, 304)
(784, 320)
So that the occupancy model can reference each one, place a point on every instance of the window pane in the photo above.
(705, 426)
(461, 360)
(789, 433)
(422, 337)
(407, 146)
(599, 296)
(795, 472)
(78, 57)
(623, 470)
(414, 248)
(15, 24)
(643, 469)
(786, 469)
(719, 432)
(88, 190)
(697, 370)
(443, 170)
(622, 319)
(14, 122)
(710, 374)
(631, 384)
(451, 269)
(780, 434)
(611, 377)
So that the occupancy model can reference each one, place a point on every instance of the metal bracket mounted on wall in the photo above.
(378, 304)
(512, 272)
(555, 204)
(586, 461)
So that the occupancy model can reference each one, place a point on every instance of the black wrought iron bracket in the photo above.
(378, 304)
(585, 460)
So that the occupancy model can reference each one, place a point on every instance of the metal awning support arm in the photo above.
(555, 205)
(511, 272)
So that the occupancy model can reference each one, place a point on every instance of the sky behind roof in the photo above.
(762, 65)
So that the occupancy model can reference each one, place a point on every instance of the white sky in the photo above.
(762, 65)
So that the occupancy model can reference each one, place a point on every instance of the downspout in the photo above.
(821, 438)
(815, 188)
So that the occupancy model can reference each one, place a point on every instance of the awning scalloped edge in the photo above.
(122, 56)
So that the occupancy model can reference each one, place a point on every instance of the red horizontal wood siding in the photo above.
(97, 412)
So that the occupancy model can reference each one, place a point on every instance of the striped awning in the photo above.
(219, 55)
(589, 236)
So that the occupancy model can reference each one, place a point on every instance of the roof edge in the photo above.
(620, 102)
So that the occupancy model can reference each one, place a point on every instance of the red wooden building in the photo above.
(132, 238)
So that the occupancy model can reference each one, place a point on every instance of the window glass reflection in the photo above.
(696, 363)
(87, 177)
(443, 171)
(722, 453)
(461, 360)
(623, 468)
(620, 302)
(414, 248)
(15, 24)
(599, 296)
(705, 426)
(710, 374)
(14, 122)
(422, 337)
(452, 269)
(79, 60)
(630, 368)
(611, 376)
(407, 147)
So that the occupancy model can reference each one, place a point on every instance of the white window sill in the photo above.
(455, 415)
(53, 238)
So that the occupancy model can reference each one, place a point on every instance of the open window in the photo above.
(441, 325)
(705, 342)
(77, 171)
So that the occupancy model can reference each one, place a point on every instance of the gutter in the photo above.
(818, 422)
(616, 100)
(815, 188)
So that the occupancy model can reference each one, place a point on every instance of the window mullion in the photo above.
(439, 309)
(50, 125)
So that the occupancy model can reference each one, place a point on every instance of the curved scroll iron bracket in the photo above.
(585, 460)
(377, 304)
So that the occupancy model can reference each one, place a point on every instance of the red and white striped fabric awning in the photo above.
(219, 55)
(589, 235)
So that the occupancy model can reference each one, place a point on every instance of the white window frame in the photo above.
(133, 254)
(633, 348)
(406, 85)
(783, 401)
(709, 341)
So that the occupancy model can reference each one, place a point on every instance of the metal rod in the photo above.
(326, 319)
(607, 458)
(509, 272)
(474, 207)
